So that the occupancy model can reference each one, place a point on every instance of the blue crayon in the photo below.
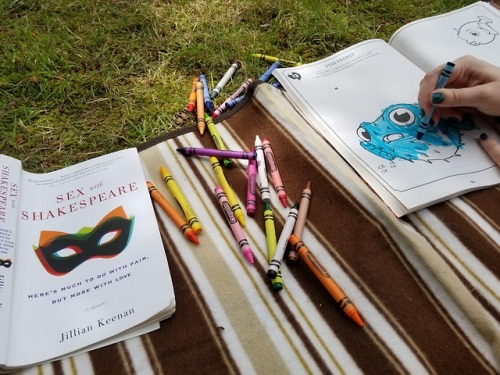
(206, 95)
(441, 82)
(267, 74)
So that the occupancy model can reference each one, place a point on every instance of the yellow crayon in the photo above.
(181, 200)
(200, 108)
(272, 59)
(277, 282)
(231, 196)
(219, 143)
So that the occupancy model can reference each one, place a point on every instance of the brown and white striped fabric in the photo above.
(427, 285)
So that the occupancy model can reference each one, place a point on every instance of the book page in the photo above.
(472, 30)
(10, 175)
(363, 100)
(90, 259)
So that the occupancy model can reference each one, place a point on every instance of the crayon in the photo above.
(272, 167)
(200, 108)
(226, 106)
(192, 96)
(441, 82)
(177, 219)
(181, 200)
(231, 196)
(251, 185)
(491, 147)
(233, 223)
(224, 80)
(275, 263)
(324, 277)
(261, 171)
(267, 74)
(244, 87)
(301, 218)
(219, 143)
(277, 282)
(272, 59)
(234, 154)
(206, 96)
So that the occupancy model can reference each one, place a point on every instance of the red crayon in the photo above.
(192, 96)
(272, 167)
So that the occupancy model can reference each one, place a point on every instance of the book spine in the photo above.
(10, 178)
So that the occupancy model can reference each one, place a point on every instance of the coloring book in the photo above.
(363, 100)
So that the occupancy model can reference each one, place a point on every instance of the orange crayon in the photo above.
(200, 108)
(491, 147)
(192, 96)
(324, 277)
(177, 218)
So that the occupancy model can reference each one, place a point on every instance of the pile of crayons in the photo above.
(201, 98)
(261, 164)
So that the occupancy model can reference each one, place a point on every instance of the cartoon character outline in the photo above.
(393, 135)
(478, 32)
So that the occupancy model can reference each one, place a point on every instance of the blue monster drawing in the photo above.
(393, 135)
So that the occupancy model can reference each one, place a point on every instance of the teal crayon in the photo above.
(424, 125)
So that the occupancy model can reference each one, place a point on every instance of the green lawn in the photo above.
(80, 78)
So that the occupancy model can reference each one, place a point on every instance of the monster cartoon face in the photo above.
(477, 32)
(393, 135)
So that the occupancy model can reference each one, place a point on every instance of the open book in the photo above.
(363, 100)
(82, 263)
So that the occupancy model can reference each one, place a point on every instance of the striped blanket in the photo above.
(426, 285)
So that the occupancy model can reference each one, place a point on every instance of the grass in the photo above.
(80, 78)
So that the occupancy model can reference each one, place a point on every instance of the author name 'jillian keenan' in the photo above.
(75, 332)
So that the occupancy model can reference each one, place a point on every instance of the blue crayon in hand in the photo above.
(206, 95)
(442, 80)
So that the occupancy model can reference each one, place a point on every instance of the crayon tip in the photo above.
(201, 129)
(272, 274)
(284, 202)
(191, 236)
(163, 171)
(357, 319)
(241, 219)
(182, 150)
(249, 256)
(250, 211)
(277, 286)
(419, 135)
(190, 107)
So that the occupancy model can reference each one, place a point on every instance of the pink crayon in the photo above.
(272, 167)
(234, 224)
(251, 186)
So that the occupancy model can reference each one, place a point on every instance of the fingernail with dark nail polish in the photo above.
(437, 98)
(422, 112)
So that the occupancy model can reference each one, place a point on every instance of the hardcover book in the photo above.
(82, 263)
(363, 100)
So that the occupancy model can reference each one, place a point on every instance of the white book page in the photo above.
(472, 30)
(363, 100)
(91, 262)
(10, 175)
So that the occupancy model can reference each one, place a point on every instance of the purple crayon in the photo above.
(234, 224)
(219, 154)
